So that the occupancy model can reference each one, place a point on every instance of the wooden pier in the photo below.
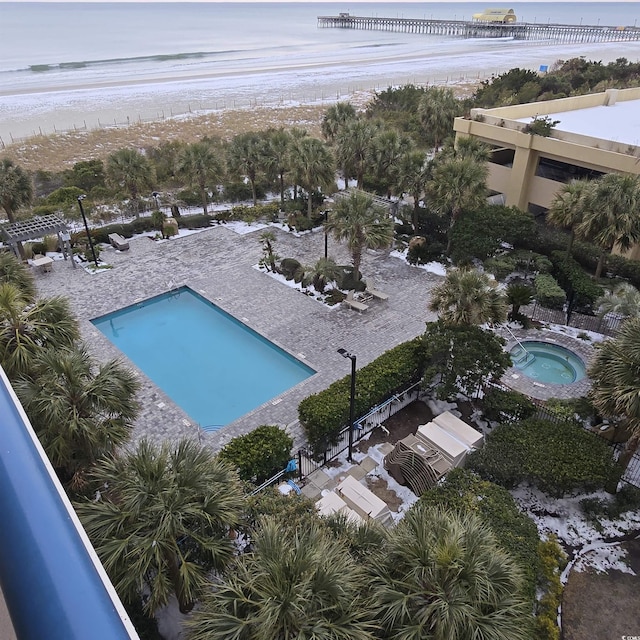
(563, 33)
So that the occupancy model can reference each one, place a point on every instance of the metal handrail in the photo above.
(513, 335)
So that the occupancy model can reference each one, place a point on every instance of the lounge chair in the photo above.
(118, 242)
(355, 304)
(374, 293)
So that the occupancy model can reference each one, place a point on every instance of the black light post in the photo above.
(86, 226)
(326, 219)
(155, 195)
(352, 399)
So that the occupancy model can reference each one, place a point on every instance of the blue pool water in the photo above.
(210, 364)
(547, 362)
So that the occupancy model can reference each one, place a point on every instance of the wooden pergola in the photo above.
(13, 233)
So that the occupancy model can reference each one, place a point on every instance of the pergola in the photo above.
(14, 233)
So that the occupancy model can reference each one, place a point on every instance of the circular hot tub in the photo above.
(548, 363)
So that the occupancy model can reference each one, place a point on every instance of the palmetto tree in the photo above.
(199, 163)
(518, 295)
(80, 411)
(16, 189)
(437, 109)
(245, 156)
(300, 584)
(568, 207)
(457, 185)
(361, 224)
(615, 371)
(277, 156)
(388, 148)
(442, 576)
(129, 170)
(624, 301)
(468, 297)
(325, 270)
(335, 117)
(313, 166)
(354, 148)
(161, 522)
(14, 272)
(412, 175)
(612, 214)
(27, 327)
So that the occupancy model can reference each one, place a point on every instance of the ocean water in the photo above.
(68, 64)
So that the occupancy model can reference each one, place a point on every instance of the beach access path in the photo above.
(219, 264)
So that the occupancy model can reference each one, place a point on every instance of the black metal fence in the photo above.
(608, 325)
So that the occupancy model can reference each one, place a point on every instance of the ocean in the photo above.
(66, 65)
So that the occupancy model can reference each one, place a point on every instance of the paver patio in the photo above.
(219, 264)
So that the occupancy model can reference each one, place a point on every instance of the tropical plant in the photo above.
(335, 117)
(129, 170)
(269, 256)
(199, 163)
(161, 521)
(437, 109)
(388, 147)
(16, 189)
(360, 223)
(457, 185)
(313, 167)
(80, 411)
(324, 271)
(624, 301)
(27, 327)
(615, 371)
(354, 148)
(518, 295)
(277, 156)
(611, 215)
(245, 156)
(13, 271)
(568, 207)
(412, 175)
(299, 584)
(441, 575)
(468, 297)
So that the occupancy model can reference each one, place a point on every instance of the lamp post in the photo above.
(345, 354)
(155, 195)
(326, 219)
(86, 226)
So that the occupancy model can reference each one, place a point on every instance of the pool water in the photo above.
(210, 364)
(547, 362)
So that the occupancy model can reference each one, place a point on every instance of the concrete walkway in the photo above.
(218, 263)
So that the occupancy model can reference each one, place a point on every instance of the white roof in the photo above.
(460, 429)
(450, 446)
(619, 122)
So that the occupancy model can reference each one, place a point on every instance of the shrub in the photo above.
(627, 499)
(558, 458)
(507, 406)
(552, 562)
(324, 414)
(198, 221)
(548, 291)
(422, 253)
(581, 290)
(290, 268)
(260, 454)
(190, 197)
(300, 222)
(578, 410)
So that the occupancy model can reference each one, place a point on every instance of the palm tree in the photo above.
(518, 295)
(277, 156)
(470, 147)
(313, 167)
(199, 163)
(437, 109)
(615, 372)
(468, 297)
(457, 185)
(296, 584)
(413, 170)
(354, 148)
(246, 157)
(162, 520)
(335, 117)
(27, 327)
(388, 148)
(16, 189)
(14, 272)
(80, 411)
(324, 271)
(442, 576)
(611, 216)
(568, 207)
(623, 301)
(361, 224)
(128, 169)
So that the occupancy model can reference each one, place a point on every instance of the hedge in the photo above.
(558, 458)
(578, 285)
(548, 291)
(500, 405)
(324, 414)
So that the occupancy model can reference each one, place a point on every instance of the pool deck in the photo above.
(219, 264)
(516, 380)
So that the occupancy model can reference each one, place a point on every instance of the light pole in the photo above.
(352, 398)
(86, 226)
(155, 195)
(326, 219)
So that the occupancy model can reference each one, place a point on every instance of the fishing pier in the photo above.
(563, 33)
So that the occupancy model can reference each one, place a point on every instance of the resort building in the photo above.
(594, 134)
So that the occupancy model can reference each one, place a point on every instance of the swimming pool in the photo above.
(546, 362)
(210, 364)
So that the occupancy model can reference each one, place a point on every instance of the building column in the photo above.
(525, 163)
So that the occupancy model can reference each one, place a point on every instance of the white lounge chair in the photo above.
(380, 295)
(355, 304)
(118, 242)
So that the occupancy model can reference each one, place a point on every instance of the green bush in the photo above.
(558, 458)
(507, 406)
(579, 287)
(548, 292)
(500, 267)
(552, 562)
(425, 252)
(324, 414)
(515, 532)
(190, 197)
(579, 410)
(291, 269)
(627, 499)
(199, 221)
(260, 454)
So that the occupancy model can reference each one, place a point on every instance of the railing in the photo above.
(608, 325)
(513, 335)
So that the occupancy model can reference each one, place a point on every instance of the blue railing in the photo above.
(53, 582)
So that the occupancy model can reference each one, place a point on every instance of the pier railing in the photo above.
(563, 33)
